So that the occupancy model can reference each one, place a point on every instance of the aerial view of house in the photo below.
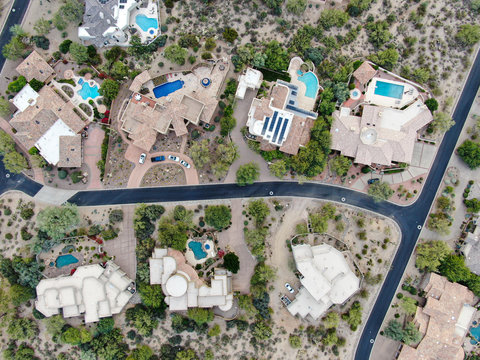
(201, 180)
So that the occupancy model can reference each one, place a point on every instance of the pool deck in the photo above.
(151, 11)
(190, 256)
(304, 102)
(410, 93)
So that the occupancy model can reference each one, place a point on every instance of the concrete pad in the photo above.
(416, 171)
(388, 179)
(384, 349)
(428, 155)
(406, 176)
(54, 196)
(397, 178)
(359, 184)
(417, 153)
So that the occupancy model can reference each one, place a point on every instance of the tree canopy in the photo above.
(231, 262)
(259, 210)
(469, 152)
(56, 221)
(200, 315)
(15, 162)
(431, 253)
(218, 216)
(247, 174)
(176, 54)
(380, 190)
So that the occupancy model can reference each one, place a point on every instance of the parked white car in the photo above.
(289, 288)
(184, 163)
(143, 156)
(173, 158)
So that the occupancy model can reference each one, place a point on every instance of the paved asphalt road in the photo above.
(14, 17)
(410, 219)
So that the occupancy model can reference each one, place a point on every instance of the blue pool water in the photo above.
(207, 247)
(145, 22)
(65, 260)
(167, 88)
(388, 89)
(311, 82)
(88, 91)
(197, 249)
(475, 331)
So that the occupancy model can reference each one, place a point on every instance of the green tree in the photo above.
(409, 305)
(296, 7)
(231, 262)
(214, 331)
(55, 325)
(431, 253)
(15, 162)
(200, 153)
(180, 213)
(143, 319)
(331, 320)
(109, 346)
(76, 336)
(394, 330)
(14, 49)
(64, 46)
(411, 335)
(56, 221)
(333, 17)
(473, 205)
(247, 174)
(468, 35)
(210, 44)
(442, 122)
(295, 341)
(200, 315)
(261, 331)
(454, 268)
(277, 57)
(105, 325)
(173, 235)
(263, 274)
(142, 352)
(187, 354)
(79, 52)
(109, 90)
(380, 191)
(7, 144)
(4, 107)
(378, 34)
(230, 34)
(18, 31)
(152, 296)
(387, 59)
(255, 239)
(218, 216)
(17, 85)
(259, 210)
(22, 329)
(431, 104)
(115, 216)
(175, 54)
(42, 26)
(227, 124)
(354, 316)
(20, 294)
(72, 11)
(245, 303)
(278, 168)
(439, 222)
(340, 165)
(318, 223)
(119, 70)
(469, 152)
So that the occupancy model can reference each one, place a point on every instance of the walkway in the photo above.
(92, 153)
(245, 154)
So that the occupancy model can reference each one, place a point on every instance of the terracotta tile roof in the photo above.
(299, 135)
(34, 66)
(70, 151)
(139, 80)
(279, 95)
(179, 126)
(447, 305)
(374, 138)
(364, 73)
(32, 123)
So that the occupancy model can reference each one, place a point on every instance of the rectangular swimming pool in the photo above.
(388, 89)
(167, 88)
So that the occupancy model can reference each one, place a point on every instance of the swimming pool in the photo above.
(167, 88)
(311, 82)
(65, 260)
(197, 249)
(145, 22)
(388, 89)
(88, 91)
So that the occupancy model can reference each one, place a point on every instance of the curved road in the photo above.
(410, 219)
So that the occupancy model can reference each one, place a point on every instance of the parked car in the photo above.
(372, 181)
(289, 288)
(173, 158)
(157, 158)
(184, 163)
(143, 156)
(285, 300)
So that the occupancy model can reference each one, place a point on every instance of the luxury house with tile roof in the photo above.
(278, 121)
(35, 67)
(46, 121)
(443, 321)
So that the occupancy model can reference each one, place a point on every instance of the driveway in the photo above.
(245, 154)
(92, 153)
